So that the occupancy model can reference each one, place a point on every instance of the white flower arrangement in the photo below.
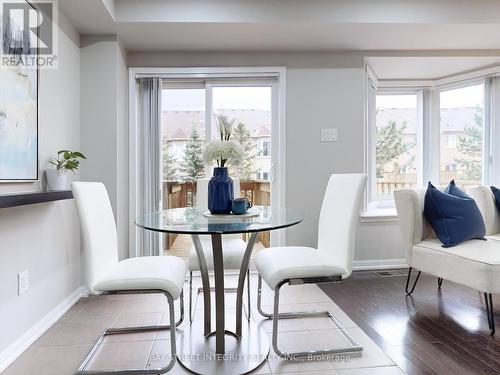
(225, 126)
(223, 152)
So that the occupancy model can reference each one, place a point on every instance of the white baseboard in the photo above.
(13, 351)
(378, 264)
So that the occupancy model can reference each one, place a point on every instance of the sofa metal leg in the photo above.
(408, 292)
(440, 282)
(115, 331)
(488, 300)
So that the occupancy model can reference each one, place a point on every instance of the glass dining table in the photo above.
(201, 349)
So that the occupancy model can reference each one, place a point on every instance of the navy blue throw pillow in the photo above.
(454, 190)
(453, 215)
(496, 193)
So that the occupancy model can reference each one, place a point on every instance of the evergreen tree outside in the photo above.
(471, 147)
(246, 170)
(390, 146)
(193, 166)
(168, 163)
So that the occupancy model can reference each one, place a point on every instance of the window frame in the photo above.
(223, 75)
(428, 129)
(373, 197)
(486, 167)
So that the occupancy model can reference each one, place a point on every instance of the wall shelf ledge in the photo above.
(22, 199)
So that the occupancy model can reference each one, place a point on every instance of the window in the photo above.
(451, 167)
(450, 141)
(253, 96)
(462, 133)
(250, 107)
(265, 148)
(189, 119)
(435, 133)
(395, 142)
(182, 133)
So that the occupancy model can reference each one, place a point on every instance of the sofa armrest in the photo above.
(409, 206)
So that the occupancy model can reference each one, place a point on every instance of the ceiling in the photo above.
(290, 25)
(427, 68)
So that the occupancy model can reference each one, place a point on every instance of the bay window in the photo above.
(421, 131)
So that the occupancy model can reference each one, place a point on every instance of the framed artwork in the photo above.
(18, 117)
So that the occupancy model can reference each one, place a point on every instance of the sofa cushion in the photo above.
(494, 237)
(496, 193)
(486, 202)
(454, 216)
(475, 263)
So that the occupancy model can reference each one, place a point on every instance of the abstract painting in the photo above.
(18, 123)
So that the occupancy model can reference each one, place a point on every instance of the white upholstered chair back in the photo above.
(339, 218)
(202, 192)
(98, 227)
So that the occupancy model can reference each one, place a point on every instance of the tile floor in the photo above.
(63, 347)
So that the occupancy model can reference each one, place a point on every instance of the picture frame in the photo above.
(19, 121)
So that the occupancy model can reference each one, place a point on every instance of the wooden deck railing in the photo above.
(387, 183)
(183, 194)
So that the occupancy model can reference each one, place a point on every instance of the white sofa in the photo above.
(473, 263)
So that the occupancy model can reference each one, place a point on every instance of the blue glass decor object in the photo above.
(220, 192)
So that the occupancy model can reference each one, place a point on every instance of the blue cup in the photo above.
(240, 206)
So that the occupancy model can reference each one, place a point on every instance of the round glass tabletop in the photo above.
(198, 221)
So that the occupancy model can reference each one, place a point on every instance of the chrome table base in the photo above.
(242, 354)
(205, 351)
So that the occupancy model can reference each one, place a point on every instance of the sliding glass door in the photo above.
(189, 113)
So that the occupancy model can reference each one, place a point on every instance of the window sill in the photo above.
(379, 215)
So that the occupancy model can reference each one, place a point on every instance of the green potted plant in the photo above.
(57, 179)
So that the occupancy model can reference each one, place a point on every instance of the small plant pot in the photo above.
(57, 179)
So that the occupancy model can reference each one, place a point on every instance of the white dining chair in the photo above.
(233, 246)
(330, 262)
(105, 275)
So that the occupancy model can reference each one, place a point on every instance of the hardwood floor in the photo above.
(433, 331)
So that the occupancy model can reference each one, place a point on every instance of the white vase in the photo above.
(57, 179)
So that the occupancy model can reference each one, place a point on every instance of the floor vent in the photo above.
(395, 273)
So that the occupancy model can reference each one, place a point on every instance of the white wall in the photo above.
(323, 90)
(43, 238)
(122, 181)
(104, 123)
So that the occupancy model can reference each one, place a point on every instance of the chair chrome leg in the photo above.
(114, 331)
(249, 298)
(414, 283)
(190, 296)
(259, 300)
(440, 282)
(355, 347)
(488, 300)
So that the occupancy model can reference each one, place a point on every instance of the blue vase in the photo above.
(220, 192)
